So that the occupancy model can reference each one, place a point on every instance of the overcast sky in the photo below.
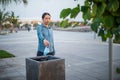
(35, 8)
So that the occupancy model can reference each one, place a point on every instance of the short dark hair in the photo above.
(44, 14)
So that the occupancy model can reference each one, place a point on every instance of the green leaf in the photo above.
(102, 34)
(98, 19)
(116, 13)
(109, 34)
(84, 8)
(86, 13)
(113, 5)
(104, 38)
(75, 11)
(101, 9)
(64, 23)
(108, 21)
(65, 12)
(95, 26)
(116, 30)
(99, 0)
(87, 2)
(94, 10)
(118, 20)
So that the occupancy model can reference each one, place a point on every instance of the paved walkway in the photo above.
(86, 58)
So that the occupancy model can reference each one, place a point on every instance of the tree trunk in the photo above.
(111, 69)
(0, 26)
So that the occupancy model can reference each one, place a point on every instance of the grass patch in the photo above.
(5, 54)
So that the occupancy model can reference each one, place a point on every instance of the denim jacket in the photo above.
(45, 33)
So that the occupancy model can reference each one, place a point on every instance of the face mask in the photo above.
(46, 51)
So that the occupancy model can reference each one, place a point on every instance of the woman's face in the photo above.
(46, 19)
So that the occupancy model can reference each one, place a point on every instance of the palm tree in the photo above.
(6, 2)
(13, 20)
(3, 17)
(4, 14)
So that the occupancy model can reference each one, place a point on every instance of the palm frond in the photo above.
(4, 3)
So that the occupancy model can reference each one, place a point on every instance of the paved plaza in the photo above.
(86, 57)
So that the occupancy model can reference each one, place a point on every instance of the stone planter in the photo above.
(45, 68)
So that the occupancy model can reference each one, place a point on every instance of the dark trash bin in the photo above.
(45, 68)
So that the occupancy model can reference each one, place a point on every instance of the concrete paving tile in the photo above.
(9, 73)
(2, 62)
(13, 78)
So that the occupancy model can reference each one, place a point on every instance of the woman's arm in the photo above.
(41, 37)
(39, 32)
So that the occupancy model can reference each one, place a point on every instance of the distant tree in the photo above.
(35, 25)
(7, 25)
(51, 23)
(4, 14)
(13, 20)
(3, 17)
(57, 24)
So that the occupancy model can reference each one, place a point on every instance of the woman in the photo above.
(45, 36)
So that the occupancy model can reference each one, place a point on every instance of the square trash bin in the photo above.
(45, 68)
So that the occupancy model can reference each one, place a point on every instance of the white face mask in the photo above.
(46, 51)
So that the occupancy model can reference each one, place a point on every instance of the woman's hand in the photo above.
(46, 43)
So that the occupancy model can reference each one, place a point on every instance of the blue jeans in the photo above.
(39, 53)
